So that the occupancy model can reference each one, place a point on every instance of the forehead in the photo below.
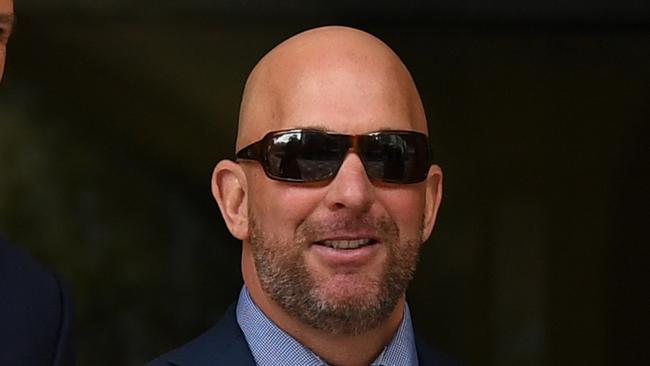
(341, 82)
(342, 100)
(6, 7)
(349, 101)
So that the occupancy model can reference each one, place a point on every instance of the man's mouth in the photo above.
(347, 243)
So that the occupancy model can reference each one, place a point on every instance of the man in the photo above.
(332, 194)
(35, 308)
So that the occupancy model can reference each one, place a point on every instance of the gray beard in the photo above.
(285, 278)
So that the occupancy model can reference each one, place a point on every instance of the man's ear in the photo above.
(433, 196)
(230, 189)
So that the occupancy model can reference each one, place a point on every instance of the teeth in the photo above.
(346, 244)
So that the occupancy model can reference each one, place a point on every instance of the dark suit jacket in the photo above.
(35, 313)
(225, 345)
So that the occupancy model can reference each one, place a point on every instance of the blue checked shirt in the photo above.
(271, 346)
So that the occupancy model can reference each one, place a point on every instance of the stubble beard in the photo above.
(285, 278)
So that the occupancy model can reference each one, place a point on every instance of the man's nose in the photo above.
(351, 188)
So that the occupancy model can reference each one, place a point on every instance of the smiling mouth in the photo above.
(347, 244)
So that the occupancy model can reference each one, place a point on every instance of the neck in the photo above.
(338, 350)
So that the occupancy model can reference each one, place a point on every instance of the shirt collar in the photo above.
(271, 346)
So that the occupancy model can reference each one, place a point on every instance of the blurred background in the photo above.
(114, 112)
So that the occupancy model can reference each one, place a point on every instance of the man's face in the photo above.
(6, 22)
(293, 226)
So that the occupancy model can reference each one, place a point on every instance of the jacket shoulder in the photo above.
(35, 312)
(428, 356)
(223, 344)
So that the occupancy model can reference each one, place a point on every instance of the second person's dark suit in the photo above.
(35, 312)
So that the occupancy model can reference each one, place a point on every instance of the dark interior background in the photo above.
(113, 113)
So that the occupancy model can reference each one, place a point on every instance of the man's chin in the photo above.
(357, 289)
(339, 304)
(347, 310)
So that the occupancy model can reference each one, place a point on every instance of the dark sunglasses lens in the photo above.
(396, 157)
(304, 156)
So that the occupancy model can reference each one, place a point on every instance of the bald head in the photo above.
(335, 78)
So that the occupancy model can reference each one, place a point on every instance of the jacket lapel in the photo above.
(222, 345)
(430, 357)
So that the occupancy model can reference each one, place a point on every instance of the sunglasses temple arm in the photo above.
(251, 152)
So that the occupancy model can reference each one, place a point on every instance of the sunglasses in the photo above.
(311, 155)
